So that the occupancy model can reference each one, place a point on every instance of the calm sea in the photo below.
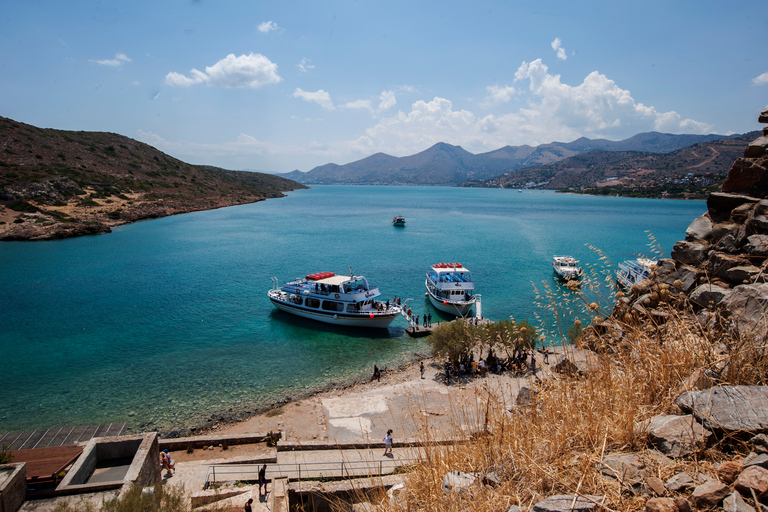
(166, 322)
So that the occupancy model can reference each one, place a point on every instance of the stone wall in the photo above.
(13, 486)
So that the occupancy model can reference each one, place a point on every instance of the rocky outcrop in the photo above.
(728, 408)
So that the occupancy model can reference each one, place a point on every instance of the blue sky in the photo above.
(278, 86)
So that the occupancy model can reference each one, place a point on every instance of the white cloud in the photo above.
(387, 100)
(557, 46)
(760, 80)
(119, 60)
(305, 65)
(358, 105)
(268, 26)
(252, 71)
(550, 111)
(497, 95)
(320, 97)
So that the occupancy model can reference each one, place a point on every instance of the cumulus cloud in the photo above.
(119, 60)
(268, 26)
(760, 80)
(550, 110)
(358, 105)
(246, 71)
(320, 97)
(305, 65)
(557, 46)
(497, 95)
(387, 100)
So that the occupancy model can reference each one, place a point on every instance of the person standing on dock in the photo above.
(421, 368)
(429, 320)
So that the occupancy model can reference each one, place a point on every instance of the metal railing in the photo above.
(305, 470)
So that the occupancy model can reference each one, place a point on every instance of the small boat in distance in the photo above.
(450, 288)
(398, 221)
(633, 271)
(334, 299)
(566, 268)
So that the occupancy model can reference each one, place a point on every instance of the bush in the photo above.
(88, 202)
(163, 499)
(21, 205)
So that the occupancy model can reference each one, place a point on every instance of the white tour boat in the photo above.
(450, 288)
(566, 268)
(634, 271)
(334, 299)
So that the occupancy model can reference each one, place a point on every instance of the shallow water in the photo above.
(165, 322)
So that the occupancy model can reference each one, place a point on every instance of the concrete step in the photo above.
(278, 498)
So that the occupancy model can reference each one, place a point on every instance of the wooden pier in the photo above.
(53, 437)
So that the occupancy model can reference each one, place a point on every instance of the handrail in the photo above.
(307, 470)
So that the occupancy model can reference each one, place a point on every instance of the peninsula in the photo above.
(59, 184)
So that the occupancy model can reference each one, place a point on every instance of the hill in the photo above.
(688, 172)
(59, 184)
(444, 164)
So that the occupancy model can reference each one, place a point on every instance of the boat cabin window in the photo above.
(295, 299)
(330, 305)
(358, 285)
(353, 308)
(312, 302)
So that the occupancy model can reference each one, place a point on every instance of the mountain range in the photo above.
(444, 164)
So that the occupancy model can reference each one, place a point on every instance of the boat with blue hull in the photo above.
(450, 288)
(334, 299)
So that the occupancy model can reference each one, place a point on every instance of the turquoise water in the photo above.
(166, 322)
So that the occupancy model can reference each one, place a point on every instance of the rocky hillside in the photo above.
(59, 184)
(444, 164)
(693, 170)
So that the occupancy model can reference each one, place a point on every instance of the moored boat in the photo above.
(566, 268)
(450, 288)
(398, 221)
(334, 299)
(633, 271)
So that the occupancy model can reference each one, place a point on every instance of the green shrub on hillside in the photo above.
(21, 205)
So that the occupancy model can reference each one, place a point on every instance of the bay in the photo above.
(164, 323)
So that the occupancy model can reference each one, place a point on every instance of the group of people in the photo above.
(522, 361)
(427, 319)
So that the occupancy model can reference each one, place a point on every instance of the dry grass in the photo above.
(555, 445)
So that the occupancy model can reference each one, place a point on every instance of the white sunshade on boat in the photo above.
(335, 280)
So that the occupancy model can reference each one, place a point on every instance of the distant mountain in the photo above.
(444, 164)
(705, 163)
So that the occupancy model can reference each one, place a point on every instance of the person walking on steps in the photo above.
(247, 507)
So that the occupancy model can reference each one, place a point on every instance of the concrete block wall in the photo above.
(13, 486)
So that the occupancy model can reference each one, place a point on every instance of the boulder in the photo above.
(744, 274)
(746, 177)
(457, 481)
(700, 228)
(756, 148)
(753, 478)
(720, 204)
(709, 494)
(684, 273)
(763, 117)
(747, 305)
(757, 245)
(760, 443)
(727, 244)
(568, 503)
(735, 503)
(741, 213)
(756, 224)
(719, 263)
(525, 397)
(661, 505)
(690, 253)
(728, 408)
(676, 436)
(707, 295)
(756, 459)
(628, 469)
(723, 229)
(680, 482)
(655, 485)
